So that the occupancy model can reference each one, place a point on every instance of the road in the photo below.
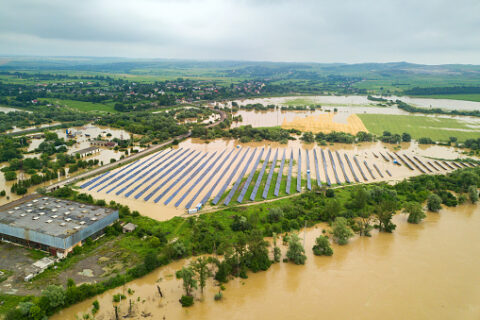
(130, 158)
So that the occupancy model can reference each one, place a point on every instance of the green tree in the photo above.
(434, 203)
(151, 261)
(384, 212)
(10, 175)
(296, 251)
(341, 231)
(415, 212)
(473, 193)
(322, 247)
(54, 295)
(200, 266)
(406, 137)
(189, 282)
(277, 253)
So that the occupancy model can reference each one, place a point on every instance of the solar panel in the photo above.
(209, 193)
(239, 179)
(122, 176)
(166, 165)
(279, 176)
(317, 172)
(133, 164)
(289, 177)
(179, 166)
(193, 175)
(230, 177)
(309, 181)
(343, 167)
(260, 176)
(351, 168)
(270, 175)
(299, 172)
(334, 167)
(136, 179)
(179, 201)
(182, 175)
(250, 177)
(325, 168)
(360, 168)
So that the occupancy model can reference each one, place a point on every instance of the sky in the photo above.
(349, 31)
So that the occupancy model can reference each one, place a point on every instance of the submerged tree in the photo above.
(322, 247)
(434, 203)
(296, 251)
(415, 212)
(473, 193)
(384, 212)
(200, 266)
(188, 276)
(277, 253)
(341, 231)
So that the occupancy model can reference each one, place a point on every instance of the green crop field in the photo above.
(439, 129)
(466, 97)
(85, 106)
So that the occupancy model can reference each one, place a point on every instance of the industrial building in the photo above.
(52, 225)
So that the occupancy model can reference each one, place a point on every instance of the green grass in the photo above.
(85, 106)
(300, 102)
(439, 129)
(467, 97)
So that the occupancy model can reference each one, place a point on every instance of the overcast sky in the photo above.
(421, 31)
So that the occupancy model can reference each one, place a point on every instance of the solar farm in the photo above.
(188, 180)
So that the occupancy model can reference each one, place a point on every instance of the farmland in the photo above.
(439, 129)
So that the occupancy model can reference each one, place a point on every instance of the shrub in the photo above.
(218, 296)
(434, 203)
(341, 231)
(186, 301)
(322, 247)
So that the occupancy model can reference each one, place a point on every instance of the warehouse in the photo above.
(51, 224)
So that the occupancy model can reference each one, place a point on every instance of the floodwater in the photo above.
(346, 107)
(448, 104)
(83, 141)
(8, 109)
(424, 271)
(178, 173)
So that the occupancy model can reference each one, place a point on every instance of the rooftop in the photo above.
(55, 217)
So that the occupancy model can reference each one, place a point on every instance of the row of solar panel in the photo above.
(174, 165)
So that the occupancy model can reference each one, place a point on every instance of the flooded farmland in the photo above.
(417, 272)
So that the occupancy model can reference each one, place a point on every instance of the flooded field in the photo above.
(446, 104)
(85, 134)
(417, 272)
(342, 108)
(168, 183)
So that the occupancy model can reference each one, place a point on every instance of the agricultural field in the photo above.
(438, 129)
(85, 106)
(467, 97)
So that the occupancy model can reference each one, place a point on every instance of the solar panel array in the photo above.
(167, 173)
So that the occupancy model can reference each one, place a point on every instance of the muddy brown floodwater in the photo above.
(425, 271)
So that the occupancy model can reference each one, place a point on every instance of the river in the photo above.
(425, 271)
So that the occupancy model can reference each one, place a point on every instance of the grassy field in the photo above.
(86, 106)
(467, 97)
(439, 129)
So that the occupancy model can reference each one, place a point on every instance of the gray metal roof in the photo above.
(55, 217)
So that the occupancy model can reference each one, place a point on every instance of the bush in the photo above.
(10, 175)
(473, 193)
(341, 231)
(186, 301)
(322, 247)
(218, 296)
(434, 203)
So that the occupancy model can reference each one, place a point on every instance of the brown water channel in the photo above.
(425, 271)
